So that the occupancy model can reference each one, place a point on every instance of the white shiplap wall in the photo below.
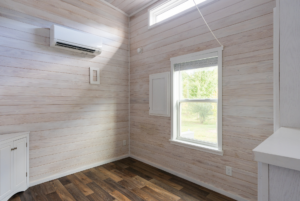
(245, 27)
(46, 91)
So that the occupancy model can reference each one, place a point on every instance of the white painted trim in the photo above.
(56, 176)
(263, 167)
(195, 54)
(276, 69)
(200, 147)
(129, 88)
(280, 149)
(12, 137)
(174, 93)
(208, 186)
(263, 182)
(112, 6)
(142, 8)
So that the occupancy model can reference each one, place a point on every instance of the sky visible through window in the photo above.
(178, 9)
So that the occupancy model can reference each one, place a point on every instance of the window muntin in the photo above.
(197, 105)
(169, 9)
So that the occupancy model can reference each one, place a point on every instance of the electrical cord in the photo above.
(207, 24)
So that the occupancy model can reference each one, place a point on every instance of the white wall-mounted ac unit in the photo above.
(76, 41)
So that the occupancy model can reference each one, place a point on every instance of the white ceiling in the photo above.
(129, 6)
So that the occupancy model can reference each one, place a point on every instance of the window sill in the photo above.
(199, 147)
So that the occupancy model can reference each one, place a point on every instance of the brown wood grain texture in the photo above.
(94, 185)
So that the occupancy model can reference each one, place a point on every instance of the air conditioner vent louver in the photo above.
(75, 40)
(74, 47)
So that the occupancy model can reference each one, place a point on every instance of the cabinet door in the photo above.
(6, 169)
(20, 165)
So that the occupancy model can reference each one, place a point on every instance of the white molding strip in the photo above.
(129, 88)
(56, 176)
(213, 188)
(263, 181)
(142, 8)
(114, 7)
(276, 67)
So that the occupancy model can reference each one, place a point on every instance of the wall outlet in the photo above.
(228, 171)
(124, 142)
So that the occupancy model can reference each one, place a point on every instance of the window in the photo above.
(171, 9)
(197, 100)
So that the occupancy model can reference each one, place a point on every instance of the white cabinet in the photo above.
(159, 94)
(6, 169)
(14, 164)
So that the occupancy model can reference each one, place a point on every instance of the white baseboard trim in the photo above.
(56, 176)
(213, 188)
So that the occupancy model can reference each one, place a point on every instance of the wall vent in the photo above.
(74, 40)
(74, 47)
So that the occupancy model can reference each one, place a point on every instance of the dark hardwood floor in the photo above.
(124, 180)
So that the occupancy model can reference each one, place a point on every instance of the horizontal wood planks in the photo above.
(129, 6)
(245, 28)
(126, 180)
(46, 90)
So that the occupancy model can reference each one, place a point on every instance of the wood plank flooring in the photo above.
(123, 180)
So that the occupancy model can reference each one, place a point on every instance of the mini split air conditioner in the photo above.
(76, 41)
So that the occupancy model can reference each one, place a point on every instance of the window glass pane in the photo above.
(198, 121)
(201, 83)
(177, 9)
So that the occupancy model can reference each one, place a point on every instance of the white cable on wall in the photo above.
(207, 24)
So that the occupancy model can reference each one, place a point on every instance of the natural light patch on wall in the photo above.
(171, 9)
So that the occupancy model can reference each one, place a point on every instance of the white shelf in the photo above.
(281, 149)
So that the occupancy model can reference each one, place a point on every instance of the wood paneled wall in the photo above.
(245, 27)
(46, 90)
(129, 6)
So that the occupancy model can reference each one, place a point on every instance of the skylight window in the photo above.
(171, 9)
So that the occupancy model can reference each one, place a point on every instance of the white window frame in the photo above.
(175, 110)
(165, 6)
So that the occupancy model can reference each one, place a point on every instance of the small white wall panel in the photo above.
(159, 95)
(97, 70)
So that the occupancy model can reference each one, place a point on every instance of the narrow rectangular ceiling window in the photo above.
(171, 9)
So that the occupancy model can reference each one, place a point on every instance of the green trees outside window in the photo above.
(199, 118)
